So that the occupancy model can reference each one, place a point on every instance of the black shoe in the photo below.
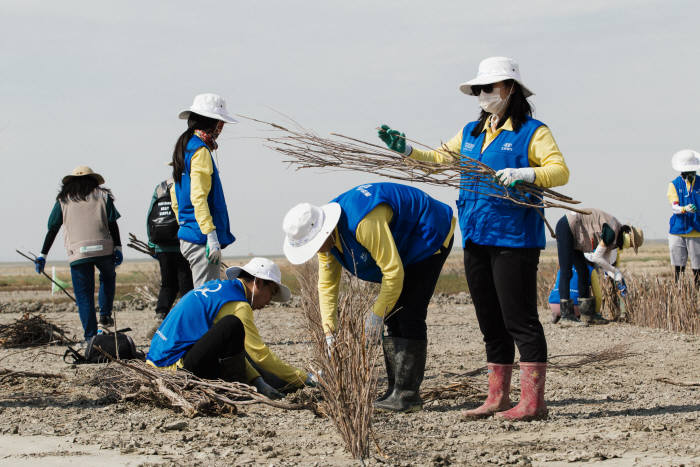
(389, 362)
(106, 320)
(409, 368)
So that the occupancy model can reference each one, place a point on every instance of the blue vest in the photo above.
(191, 318)
(486, 220)
(420, 225)
(685, 223)
(189, 229)
(573, 287)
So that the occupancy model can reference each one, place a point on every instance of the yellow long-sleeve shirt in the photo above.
(374, 234)
(543, 154)
(672, 196)
(201, 170)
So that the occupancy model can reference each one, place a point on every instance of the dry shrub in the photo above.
(30, 331)
(546, 276)
(347, 374)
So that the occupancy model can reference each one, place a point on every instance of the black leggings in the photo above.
(175, 277)
(568, 258)
(503, 285)
(224, 339)
(407, 318)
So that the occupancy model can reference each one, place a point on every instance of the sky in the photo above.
(101, 84)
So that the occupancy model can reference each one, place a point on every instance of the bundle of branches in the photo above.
(453, 391)
(661, 303)
(546, 276)
(611, 354)
(30, 331)
(138, 381)
(347, 369)
(306, 149)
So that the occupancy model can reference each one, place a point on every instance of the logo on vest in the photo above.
(467, 147)
(204, 291)
(507, 147)
(363, 189)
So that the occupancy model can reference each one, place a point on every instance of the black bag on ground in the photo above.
(162, 224)
(105, 341)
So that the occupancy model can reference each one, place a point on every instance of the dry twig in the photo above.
(677, 383)
(31, 331)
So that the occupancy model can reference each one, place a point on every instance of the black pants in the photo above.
(407, 318)
(503, 285)
(224, 339)
(568, 258)
(175, 277)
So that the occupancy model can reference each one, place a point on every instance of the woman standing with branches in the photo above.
(502, 240)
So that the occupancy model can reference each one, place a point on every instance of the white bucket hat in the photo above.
(210, 105)
(306, 227)
(493, 70)
(686, 160)
(263, 268)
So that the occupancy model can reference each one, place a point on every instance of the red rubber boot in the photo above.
(531, 405)
(499, 393)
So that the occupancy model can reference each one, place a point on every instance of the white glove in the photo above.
(510, 177)
(618, 277)
(330, 341)
(374, 325)
(690, 208)
(311, 380)
(213, 248)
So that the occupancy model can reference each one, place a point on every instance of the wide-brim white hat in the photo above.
(306, 228)
(493, 70)
(209, 105)
(686, 160)
(265, 269)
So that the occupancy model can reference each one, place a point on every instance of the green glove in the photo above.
(393, 139)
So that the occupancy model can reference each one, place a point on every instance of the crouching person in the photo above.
(388, 233)
(205, 334)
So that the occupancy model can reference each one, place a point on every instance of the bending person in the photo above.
(390, 234)
(210, 330)
(91, 236)
(684, 226)
(583, 238)
(197, 195)
(502, 240)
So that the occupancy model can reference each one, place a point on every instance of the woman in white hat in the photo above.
(211, 330)
(197, 195)
(684, 226)
(502, 241)
(91, 236)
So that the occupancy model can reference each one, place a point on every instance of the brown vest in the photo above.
(86, 233)
(587, 228)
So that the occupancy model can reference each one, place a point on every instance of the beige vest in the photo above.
(86, 233)
(587, 228)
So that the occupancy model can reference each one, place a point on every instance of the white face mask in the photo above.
(492, 102)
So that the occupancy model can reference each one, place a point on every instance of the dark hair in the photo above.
(621, 237)
(518, 109)
(194, 122)
(79, 188)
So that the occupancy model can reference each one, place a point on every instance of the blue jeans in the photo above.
(83, 276)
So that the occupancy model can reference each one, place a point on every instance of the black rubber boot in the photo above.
(588, 313)
(568, 317)
(409, 368)
(389, 362)
(233, 368)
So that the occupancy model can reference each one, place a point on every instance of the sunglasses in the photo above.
(487, 88)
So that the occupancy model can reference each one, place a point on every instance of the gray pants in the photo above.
(202, 270)
(683, 248)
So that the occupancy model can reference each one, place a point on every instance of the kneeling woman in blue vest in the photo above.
(211, 329)
(501, 240)
(387, 233)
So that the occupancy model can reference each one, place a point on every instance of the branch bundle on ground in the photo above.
(30, 331)
(141, 382)
(347, 370)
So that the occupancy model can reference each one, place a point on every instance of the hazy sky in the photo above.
(101, 83)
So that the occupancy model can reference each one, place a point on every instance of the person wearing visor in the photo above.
(390, 234)
(590, 238)
(211, 330)
(501, 240)
(684, 226)
(197, 194)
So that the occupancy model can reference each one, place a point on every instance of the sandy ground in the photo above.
(612, 414)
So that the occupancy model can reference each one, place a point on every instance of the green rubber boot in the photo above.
(389, 362)
(588, 313)
(409, 368)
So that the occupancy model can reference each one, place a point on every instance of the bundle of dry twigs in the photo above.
(30, 331)
(453, 391)
(306, 149)
(138, 381)
(611, 354)
(346, 371)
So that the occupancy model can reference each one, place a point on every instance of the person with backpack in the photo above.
(91, 236)
(210, 332)
(197, 194)
(161, 228)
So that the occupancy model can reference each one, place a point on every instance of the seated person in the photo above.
(210, 330)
